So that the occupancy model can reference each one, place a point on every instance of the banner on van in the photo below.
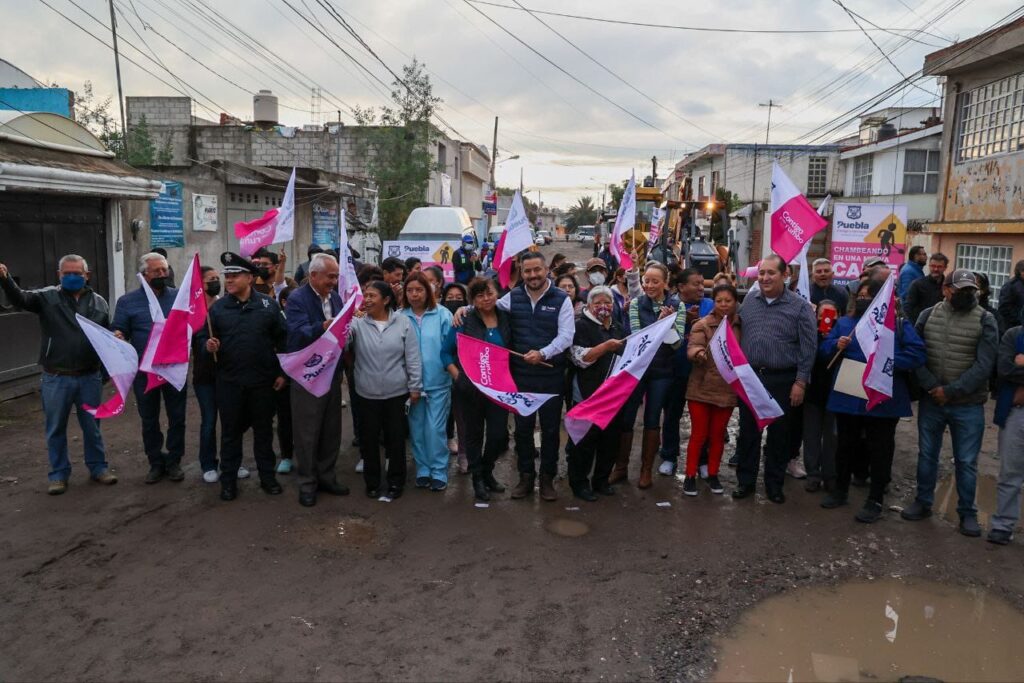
(429, 253)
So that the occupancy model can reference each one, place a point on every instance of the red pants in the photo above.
(707, 423)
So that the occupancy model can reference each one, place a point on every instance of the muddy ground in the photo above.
(166, 582)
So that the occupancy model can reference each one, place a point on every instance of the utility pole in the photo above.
(520, 180)
(117, 69)
(766, 247)
(654, 171)
(494, 159)
(770, 105)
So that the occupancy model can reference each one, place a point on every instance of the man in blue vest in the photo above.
(542, 329)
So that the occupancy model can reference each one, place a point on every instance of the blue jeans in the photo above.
(206, 397)
(654, 392)
(59, 393)
(675, 403)
(966, 427)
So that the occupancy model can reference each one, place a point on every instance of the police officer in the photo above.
(248, 331)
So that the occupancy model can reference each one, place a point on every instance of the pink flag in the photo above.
(158, 374)
(794, 221)
(276, 225)
(736, 371)
(486, 366)
(752, 271)
(605, 403)
(120, 360)
(348, 283)
(313, 367)
(187, 315)
(516, 237)
(876, 336)
(625, 220)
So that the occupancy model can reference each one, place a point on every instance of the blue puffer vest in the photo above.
(535, 328)
(662, 365)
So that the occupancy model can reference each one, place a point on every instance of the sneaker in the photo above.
(243, 473)
(438, 485)
(870, 513)
(285, 466)
(174, 473)
(211, 476)
(57, 487)
(916, 511)
(733, 461)
(690, 486)
(999, 536)
(453, 446)
(423, 482)
(667, 468)
(714, 484)
(155, 474)
(833, 500)
(702, 472)
(969, 526)
(106, 478)
(795, 469)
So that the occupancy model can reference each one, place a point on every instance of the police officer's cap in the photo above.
(233, 263)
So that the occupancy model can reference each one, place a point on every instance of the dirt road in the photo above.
(166, 582)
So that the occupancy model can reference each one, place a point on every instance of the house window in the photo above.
(993, 261)
(862, 167)
(714, 182)
(442, 156)
(817, 176)
(700, 188)
(991, 119)
(920, 171)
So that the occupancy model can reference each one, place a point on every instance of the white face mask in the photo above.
(596, 278)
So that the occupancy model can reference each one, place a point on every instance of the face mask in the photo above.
(861, 306)
(596, 278)
(72, 282)
(213, 288)
(453, 305)
(158, 282)
(602, 313)
(963, 300)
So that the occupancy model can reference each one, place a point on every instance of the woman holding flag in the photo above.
(854, 417)
(486, 422)
(428, 419)
(655, 303)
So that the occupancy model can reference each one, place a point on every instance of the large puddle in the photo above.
(569, 528)
(876, 631)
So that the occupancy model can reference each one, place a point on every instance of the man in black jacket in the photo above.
(248, 332)
(71, 368)
(925, 292)
(1011, 298)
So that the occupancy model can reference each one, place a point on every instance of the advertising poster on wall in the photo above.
(429, 253)
(167, 217)
(325, 224)
(862, 231)
(204, 213)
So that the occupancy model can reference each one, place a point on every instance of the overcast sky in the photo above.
(700, 87)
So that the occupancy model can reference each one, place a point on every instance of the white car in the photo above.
(539, 240)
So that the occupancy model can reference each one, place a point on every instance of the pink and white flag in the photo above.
(657, 218)
(313, 367)
(803, 283)
(276, 225)
(516, 237)
(752, 271)
(625, 220)
(486, 366)
(876, 336)
(348, 283)
(793, 220)
(157, 373)
(601, 407)
(736, 371)
(119, 358)
(187, 315)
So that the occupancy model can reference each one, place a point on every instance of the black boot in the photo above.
(480, 488)
(491, 483)
(228, 489)
(583, 492)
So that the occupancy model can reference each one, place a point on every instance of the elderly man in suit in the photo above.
(316, 421)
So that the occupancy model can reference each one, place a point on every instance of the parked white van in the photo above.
(437, 224)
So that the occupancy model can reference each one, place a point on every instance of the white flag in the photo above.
(625, 220)
(120, 360)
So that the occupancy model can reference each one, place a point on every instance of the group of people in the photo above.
(406, 385)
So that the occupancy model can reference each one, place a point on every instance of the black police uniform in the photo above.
(251, 333)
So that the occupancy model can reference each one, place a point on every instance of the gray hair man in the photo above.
(71, 368)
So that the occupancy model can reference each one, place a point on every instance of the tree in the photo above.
(95, 115)
(530, 206)
(397, 143)
(617, 192)
(582, 212)
(141, 151)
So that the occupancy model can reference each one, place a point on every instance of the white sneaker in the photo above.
(667, 468)
(211, 476)
(453, 446)
(795, 469)
(359, 465)
(703, 471)
(243, 473)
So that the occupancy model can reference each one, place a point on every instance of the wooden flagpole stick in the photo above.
(209, 328)
(547, 365)
(834, 359)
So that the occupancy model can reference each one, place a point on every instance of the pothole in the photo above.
(876, 631)
(569, 528)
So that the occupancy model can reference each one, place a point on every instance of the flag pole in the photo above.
(209, 328)
(547, 365)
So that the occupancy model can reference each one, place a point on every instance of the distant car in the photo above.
(548, 239)
(585, 233)
(539, 240)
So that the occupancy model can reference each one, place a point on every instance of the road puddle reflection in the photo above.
(570, 528)
(946, 499)
(876, 631)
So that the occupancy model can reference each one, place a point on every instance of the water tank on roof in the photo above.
(886, 131)
(264, 108)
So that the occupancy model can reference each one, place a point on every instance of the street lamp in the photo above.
(511, 158)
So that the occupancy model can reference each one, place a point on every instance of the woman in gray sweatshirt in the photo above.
(388, 378)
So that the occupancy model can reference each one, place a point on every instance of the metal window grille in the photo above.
(994, 261)
(817, 176)
(862, 168)
(991, 119)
